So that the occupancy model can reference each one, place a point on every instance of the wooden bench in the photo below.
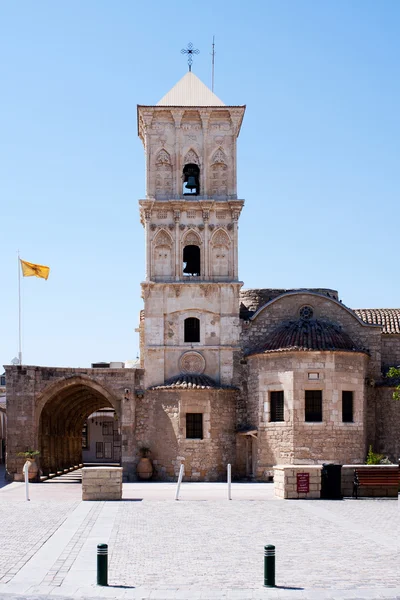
(376, 477)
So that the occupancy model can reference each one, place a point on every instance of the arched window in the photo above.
(191, 260)
(192, 330)
(191, 180)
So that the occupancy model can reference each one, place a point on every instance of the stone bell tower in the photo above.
(190, 216)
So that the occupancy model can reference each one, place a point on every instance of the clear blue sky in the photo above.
(318, 154)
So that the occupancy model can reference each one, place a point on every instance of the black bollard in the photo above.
(269, 566)
(102, 564)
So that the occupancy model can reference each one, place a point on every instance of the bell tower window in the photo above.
(192, 330)
(191, 260)
(191, 180)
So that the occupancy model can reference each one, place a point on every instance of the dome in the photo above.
(307, 334)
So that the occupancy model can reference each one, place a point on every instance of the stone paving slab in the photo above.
(203, 546)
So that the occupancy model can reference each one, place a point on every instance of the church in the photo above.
(248, 377)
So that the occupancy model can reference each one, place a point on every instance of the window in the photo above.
(108, 450)
(276, 399)
(108, 428)
(191, 260)
(85, 436)
(347, 407)
(2, 380)
(99, 449)
(192, 330)
(194, 426)
(191, 180)
(313, 406)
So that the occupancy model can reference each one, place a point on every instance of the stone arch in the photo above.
(62, 409)
(191, 254)
(163, 255)
(192, 238)
(163, 174)
(220, 254)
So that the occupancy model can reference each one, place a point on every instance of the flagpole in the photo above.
(19, 311)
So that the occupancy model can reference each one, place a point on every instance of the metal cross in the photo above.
(189, 51)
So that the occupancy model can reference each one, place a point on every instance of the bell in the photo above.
(191, 183)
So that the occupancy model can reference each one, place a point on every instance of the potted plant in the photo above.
(144, 468)
(30, 456)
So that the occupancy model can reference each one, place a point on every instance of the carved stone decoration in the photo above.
(182, 226)
(207, 289)
(219, 157)
(220, 238)
(153, 226)
(178, 289)
(177, 215)
(219, 179)
(171, 226)
(211, 226)
(191, 158)
(201, 226)
(192, 362)
(229, 226)
(162, 255)
(220, 245)
(163, 158)
(206, 215)
(163, 173)
(192, 239)
(163, 239)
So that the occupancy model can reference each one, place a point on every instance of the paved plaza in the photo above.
(203, 546)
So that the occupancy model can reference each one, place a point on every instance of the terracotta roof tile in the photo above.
(388, 318)
(188, 381)
(307, 334)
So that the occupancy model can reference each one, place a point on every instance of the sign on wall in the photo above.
(303, 483)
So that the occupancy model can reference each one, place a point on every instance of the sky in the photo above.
(318, 154)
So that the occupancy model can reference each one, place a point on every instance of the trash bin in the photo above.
(331, 482)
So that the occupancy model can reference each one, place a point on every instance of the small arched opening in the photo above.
(192, 330)
(191, 260)
(191, 180)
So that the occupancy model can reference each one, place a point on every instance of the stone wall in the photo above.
(294, 441)
(390, 350)
(253, 299)
(161, 426)
(387, 424)
(347, 476)
(287, 308)
(166, 308)
(285, 482)
(47, 408)
(101, 483)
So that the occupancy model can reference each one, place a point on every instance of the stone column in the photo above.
(235, 215)
(205, 118)
(206, 216)
(178, 261)
(177, 115)
(147, 216)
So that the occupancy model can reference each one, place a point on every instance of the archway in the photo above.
(65, 408)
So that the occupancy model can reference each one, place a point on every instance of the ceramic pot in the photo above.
(144, 468)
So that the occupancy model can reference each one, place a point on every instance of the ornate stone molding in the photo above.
(192, 362)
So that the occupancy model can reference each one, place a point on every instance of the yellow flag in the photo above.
(32, 270)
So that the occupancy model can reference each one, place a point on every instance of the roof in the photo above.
(388, 318)
(190, 91)
(188, 381)
(307, 334)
